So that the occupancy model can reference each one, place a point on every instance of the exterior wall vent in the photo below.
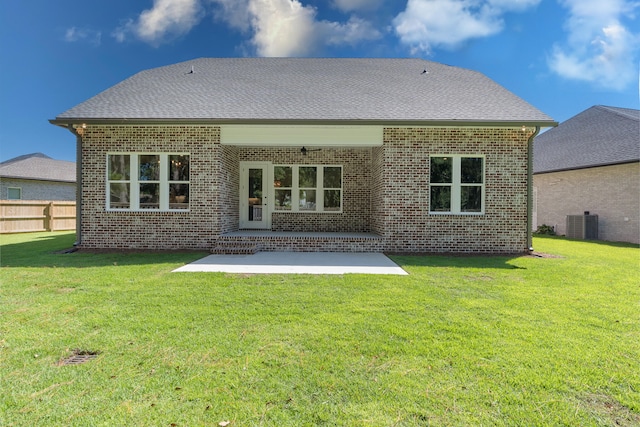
(582, 226)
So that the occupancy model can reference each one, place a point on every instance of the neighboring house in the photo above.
(315, 154)
(37, 177)
(591, 163)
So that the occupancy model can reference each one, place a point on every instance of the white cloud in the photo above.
(167, 19)
(351, 33)
(425, 24)
(234, 12)
(276, 27)
(120, 33)
(282, 27)
(599, 48)
(288, 28)
(75, 34)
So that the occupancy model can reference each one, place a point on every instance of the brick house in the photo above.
(37, 177)
(395, 155)
(591, 163)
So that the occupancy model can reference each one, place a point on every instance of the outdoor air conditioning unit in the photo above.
(582, 226)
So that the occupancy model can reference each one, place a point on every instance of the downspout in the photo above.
(78, 135)
(530, 189)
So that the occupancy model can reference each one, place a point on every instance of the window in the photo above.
(14, 193)
(148, 182)
(456, 184)
(307, 188)
(307, 184)
(283, 184)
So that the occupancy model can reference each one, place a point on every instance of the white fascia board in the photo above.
(301, 135)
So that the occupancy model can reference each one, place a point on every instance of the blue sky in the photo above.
(562, 56)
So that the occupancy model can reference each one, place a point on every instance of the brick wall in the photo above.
(611, 192)
(385, 189)
(152, 230)
(378, 214)
(228, 199)
(407, 224)
(356, 203)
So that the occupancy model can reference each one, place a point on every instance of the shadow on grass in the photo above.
(51, 250)
(494, 261)
(47, 250)
(460, 261)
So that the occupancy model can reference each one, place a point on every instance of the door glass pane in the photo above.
(255, 194)
(332, 177)
(307, 177)
(471, 170)
(307, 200)
(282, 176)
(119, 196)
(441, 170)
(119, 167)
(150, 168)
(332, 200)
(471, 199)
(440, 198)
(178, 168)
(149, 196)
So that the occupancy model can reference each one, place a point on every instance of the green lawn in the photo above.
(461, 341)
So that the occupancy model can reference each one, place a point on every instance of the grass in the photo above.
(460, 341)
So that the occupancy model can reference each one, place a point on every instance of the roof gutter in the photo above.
(69, 122)
(31, 178)
(594, 165)
(530, 189)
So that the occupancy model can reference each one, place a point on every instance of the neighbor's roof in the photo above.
(262, 90)
(39, 167)
(598, 136)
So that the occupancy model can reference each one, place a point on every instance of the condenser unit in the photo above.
(582, 227)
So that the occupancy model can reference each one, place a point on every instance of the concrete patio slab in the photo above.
(297, 263)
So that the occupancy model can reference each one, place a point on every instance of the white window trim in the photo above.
(295, 190)
(456, 184)
(134, 182)
(19, 193)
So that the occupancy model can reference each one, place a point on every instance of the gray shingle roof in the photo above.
(307, 89)
(40, 167)
(597, 136)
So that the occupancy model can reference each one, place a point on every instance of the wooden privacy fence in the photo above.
(20, 216)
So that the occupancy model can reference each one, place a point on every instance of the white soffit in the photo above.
(301, 135)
